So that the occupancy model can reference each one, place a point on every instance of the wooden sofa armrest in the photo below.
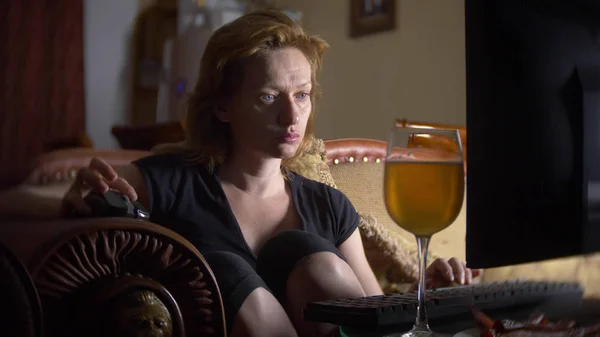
(97, 277)
(20, 305)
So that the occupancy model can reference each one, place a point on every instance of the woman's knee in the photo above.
(324, 275)
(299, 260)
(282, 253)
(321, 264)
(302, 267)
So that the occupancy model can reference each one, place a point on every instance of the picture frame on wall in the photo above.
(371, 17)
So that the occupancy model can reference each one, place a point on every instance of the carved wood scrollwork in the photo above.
(87, 272)
(19, 301)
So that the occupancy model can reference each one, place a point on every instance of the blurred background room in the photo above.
(112, 74)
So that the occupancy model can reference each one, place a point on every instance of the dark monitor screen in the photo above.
(533, 119)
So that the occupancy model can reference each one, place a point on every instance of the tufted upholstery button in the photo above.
(72, 173)
(58, 176)
(336, 161)
(351, 159)
(357, 148)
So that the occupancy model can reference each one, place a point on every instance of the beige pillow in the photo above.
(312, 164)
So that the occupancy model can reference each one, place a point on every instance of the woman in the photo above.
(274, 239)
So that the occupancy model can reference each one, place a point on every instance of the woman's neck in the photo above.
(259, 177)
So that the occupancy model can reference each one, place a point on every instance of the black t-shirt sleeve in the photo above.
(162, 175)
(346, 216)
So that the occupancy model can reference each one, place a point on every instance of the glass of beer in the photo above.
(423, 191)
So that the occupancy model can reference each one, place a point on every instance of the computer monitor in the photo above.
(533, 119)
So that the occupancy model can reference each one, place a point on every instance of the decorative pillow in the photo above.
(392, 257)
(312, 164)
(394, 260)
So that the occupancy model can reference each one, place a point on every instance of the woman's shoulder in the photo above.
(320, 200)
(309, 186)
(169, 176)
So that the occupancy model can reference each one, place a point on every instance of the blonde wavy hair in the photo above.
(208, 139)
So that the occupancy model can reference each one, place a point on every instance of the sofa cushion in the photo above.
(363, 184)
(395, 266)
(391, 251)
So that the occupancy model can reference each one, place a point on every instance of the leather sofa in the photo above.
(84, 269)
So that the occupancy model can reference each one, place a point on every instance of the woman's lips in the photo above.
(290, 137)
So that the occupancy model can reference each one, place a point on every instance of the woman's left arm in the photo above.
(354, 252)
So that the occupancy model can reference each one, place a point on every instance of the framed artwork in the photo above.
(372, 16)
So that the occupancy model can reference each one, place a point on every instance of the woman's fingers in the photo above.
(102, 167)
(468, 274)
(458, 269)
(453, 271)
(440, 268)
(92, 179)
(99, 176)
(123, 187)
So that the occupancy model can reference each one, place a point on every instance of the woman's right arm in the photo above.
(43, 202)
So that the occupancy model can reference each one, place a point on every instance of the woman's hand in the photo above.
(445, 273)
(99, 176)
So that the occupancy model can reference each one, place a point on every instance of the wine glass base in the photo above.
(417, 332)
(421, 333)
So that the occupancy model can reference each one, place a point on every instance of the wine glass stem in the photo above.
(423, 244)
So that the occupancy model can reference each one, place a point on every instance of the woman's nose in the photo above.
(289, 114)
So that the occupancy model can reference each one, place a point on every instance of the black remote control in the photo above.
(115, 204)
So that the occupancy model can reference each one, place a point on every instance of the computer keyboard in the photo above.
(443, 303)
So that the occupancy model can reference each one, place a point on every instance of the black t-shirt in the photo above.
(189, 199)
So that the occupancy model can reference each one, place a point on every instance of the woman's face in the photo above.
(269, 112)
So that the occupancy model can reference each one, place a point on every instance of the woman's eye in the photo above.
(268, 97)
(303, 95)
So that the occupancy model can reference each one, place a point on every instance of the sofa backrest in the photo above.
(357, 167)
(61, 166)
